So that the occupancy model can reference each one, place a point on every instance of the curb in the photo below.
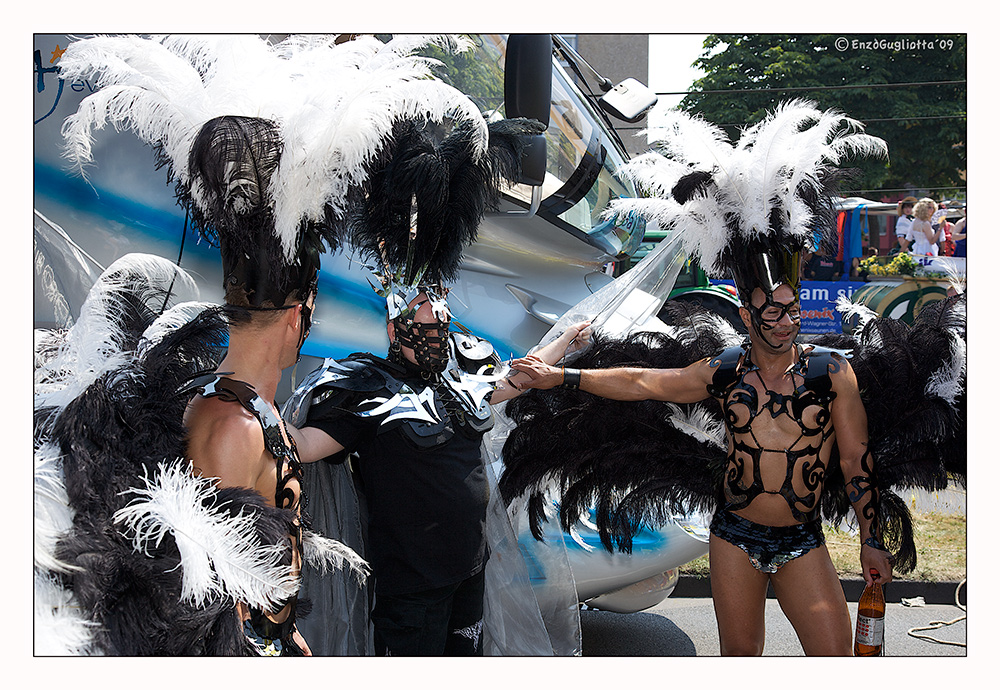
(932, 592)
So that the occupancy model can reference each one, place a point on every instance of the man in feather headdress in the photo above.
(415, 419)
(785, 406)
(793, 414)
(234, 431)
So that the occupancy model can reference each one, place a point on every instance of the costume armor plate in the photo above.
(378, 388)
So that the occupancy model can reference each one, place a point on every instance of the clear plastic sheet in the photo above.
(631, 301)
(531, 606)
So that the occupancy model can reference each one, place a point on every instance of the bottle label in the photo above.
(870, 631)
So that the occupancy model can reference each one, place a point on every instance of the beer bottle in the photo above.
(871, 620)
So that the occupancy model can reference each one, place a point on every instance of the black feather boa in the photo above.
(623, 458)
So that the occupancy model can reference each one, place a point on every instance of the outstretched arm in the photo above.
(850, 423)
(687, 385)
(570, 340)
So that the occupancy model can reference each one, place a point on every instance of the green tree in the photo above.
(924, 126)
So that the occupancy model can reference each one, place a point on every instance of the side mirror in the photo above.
(629, 100)
(527, 78)
(527, 92)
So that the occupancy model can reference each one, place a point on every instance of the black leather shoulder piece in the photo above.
(727, 369)
(232, 390)
(817, 365)
(359, 372)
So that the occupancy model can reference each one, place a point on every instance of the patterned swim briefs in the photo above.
(768, 547)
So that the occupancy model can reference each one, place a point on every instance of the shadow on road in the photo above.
(635, 634)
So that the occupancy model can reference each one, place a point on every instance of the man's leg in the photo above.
(810, 594)
(412, 624)
(739, 592)
(465, 634)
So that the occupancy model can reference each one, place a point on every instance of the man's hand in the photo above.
(879, 560)
(541, 375)
(576, 337)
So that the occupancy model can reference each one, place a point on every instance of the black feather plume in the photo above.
(690, 185)
(452, 190)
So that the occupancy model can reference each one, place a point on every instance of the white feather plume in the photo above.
(325, 554)
(53, 516)
(220, 555)
(698, 424)
(946, 382)
(169, 321)
(94, 345)
(764, 170)
(850, 309)
(59, 626)
(334, 104)
(955, 276)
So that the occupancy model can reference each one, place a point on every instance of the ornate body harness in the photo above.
(288, 469)
(732, 384)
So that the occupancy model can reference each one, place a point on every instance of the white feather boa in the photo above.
(220, 555)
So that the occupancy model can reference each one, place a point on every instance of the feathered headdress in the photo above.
(747, 209)
(426, 196)
(269, 143)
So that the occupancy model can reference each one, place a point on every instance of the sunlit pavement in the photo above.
(686, 627)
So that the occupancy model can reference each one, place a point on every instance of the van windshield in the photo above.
(583, 157)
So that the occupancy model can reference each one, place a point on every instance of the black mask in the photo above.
(429, 341)
(767, 316)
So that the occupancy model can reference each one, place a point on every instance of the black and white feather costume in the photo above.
(644, 461)
(133, 554)
(269, 145)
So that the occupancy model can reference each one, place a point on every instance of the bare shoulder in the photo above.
(224, 441)
(841, 372)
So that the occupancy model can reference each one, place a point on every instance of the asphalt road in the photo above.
(686, 627)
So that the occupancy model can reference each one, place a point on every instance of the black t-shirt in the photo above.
(821, 267)
(426, 507)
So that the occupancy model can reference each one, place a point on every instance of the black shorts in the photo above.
(767, 547)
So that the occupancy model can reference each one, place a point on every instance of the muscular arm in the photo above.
(313, 444)
(687, 385)
(850, 423)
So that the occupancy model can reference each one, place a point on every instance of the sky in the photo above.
(670, 58)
